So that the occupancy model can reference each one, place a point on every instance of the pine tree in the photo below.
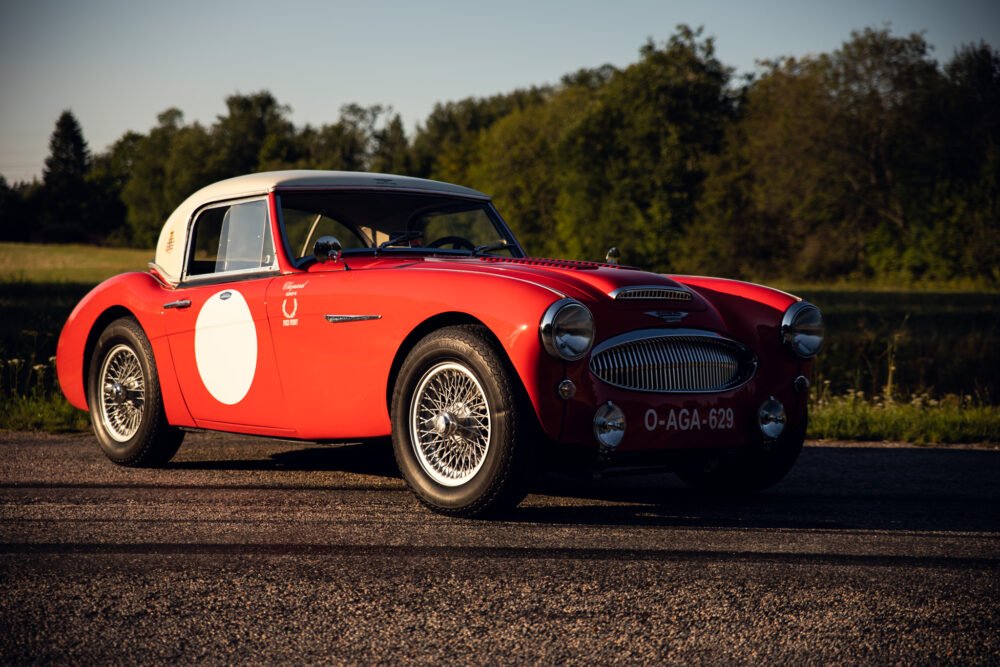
(69, 158)
(65, 189)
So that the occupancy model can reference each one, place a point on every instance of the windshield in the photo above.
(373, 222)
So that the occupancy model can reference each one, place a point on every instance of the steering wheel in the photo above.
(454, 241)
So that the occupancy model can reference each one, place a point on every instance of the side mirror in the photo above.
(613, 256)
(327, 248)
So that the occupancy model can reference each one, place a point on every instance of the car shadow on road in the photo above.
(373, 457)
(875, 488)
(872, 488)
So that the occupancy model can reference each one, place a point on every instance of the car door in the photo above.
(330, 340)
(334, 350)
(217, 323)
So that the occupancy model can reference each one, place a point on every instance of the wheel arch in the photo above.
(174, 405)
(425, 328)
(108, 316)
(441, 321)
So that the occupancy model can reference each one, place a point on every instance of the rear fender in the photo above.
(136, 295)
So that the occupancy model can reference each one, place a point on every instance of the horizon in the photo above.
(164, 61)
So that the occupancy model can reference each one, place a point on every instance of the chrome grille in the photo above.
(673, 362)
(652, 292)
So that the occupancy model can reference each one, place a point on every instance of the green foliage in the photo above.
(69, 158)
(869, 163)
(519, 163)
(635, 162)
(905, 343)
(145, 193)
(922, 420)
(30, 401)
(391, 154)
(67, 197)
(447, 145)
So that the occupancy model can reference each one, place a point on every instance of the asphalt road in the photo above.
(246, 550)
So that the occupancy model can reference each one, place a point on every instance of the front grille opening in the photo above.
(674, 364)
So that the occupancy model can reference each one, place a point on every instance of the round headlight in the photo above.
(802, 329)
(567, 330)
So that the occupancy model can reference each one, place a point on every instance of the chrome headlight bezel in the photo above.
(802, 329)
(563, 321)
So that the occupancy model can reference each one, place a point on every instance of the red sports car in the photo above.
(333, 306)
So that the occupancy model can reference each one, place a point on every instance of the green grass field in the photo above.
(914, 365)
(35, 263)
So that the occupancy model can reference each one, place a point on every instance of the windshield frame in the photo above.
(514, 248)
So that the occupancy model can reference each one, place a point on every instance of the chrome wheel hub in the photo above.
(123, 393)
(450, 424)
(116, 393)
(444, 424)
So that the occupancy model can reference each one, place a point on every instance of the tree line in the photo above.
(873, 162)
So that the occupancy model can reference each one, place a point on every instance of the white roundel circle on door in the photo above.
(225, 346)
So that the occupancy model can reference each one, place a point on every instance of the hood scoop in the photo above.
(554, 263)
(651, 293)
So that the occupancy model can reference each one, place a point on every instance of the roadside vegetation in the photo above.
(66, 263)
(904, 365)
(874, 163)
(920, 420)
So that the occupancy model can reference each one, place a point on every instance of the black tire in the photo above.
(456, 460)
(123, 394)
(748, 470)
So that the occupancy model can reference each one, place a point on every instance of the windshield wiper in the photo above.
(486, 248)
(398, 237)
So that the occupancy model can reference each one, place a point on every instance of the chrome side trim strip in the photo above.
(337, 319)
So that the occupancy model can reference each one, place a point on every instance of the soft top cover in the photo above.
(170, 247)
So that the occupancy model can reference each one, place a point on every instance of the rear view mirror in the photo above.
(327, 248)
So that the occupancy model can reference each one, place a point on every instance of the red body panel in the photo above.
(337, 375)
(263, 405)
(141, 296)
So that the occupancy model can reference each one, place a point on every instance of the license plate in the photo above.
(690, 419)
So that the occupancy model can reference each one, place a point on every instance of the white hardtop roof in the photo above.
(170, 246)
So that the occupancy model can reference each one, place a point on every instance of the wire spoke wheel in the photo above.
(450, 424)
(124, 399)
(122, 393)
(455, 424)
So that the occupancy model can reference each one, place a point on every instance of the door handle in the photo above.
(180, 303)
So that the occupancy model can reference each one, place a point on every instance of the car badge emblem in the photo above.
(670, 316)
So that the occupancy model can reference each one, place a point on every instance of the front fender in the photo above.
(752, 313)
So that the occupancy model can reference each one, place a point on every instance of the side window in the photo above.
(231, 238)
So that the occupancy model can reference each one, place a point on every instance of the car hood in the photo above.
(591, 283)
(587, 281)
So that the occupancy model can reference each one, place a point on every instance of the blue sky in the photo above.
(116, 64)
